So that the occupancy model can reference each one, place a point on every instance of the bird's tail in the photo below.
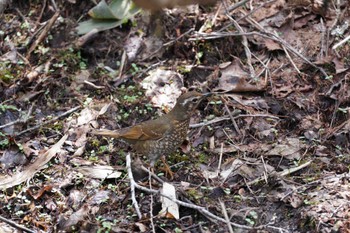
(106, 132)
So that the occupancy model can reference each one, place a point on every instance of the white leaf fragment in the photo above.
(169, 208)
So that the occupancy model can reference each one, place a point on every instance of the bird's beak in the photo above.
(207, 94)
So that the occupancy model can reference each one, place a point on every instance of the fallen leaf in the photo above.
(99, 172)
(169, 208)
(290, 149)
(32, 169)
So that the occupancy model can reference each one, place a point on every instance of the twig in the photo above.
(220, 158)
(154, 176)
(224, 212)
(256, 9)
(41, 12)
(201, 209)
(345, 175)
(122, 64)
(43, 34)
(236, 5)
(167, 44)
(231, 117)
(215, 120)
(151, 205)
(226, 117)
(282, 173)
(216, 35)
(49, 121)
(94, 85)
(81, 41)
(284, 43)
(290, 59)
(243, 17)
(265, 168)
(178, 38)
(132, 186)
(23, 119)
(340, 43)
(323, 51)
(14, 224)
(54, 5)
(248, 54)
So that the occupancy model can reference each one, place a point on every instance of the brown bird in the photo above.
(163, 135)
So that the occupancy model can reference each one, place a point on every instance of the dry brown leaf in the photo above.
(32, 169)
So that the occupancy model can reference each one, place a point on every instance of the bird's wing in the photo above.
(149, 130)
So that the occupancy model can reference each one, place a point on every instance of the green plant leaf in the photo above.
(100, 25)
(105, 16)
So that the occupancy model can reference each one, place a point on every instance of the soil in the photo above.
(267, 152)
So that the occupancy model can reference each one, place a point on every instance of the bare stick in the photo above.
(49, 121)
(14, 224)
(224, 212)
(23, 119)
(43, 34)
(132, 186)
(204, 211)
(216, 35)
(226, 117)
(236, 5)
(231, 117)
(248, 54)
(340, 43)
(220, 158)
(290, 59)
(282, 173)
(151, 205)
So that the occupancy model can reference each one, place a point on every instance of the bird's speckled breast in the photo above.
(172, 139)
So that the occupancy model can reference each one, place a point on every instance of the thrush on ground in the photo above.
(161, 136)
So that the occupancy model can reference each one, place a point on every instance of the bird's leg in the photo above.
(167, 168)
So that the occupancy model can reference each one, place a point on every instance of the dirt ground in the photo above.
(267, 152)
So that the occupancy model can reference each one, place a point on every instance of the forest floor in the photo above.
(269, 152)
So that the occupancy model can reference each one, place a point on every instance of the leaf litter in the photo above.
(286, 151)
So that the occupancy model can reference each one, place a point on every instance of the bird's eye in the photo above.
(195, 100)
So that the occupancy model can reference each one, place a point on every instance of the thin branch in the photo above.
(226, 117)
(248, 54)
(23, 119)
(340, 43)
(43, 34)
(283, 173)
(224, 212)
(216, 35)
(132, 186)
(49, 121)
(15, 225)
(201, 209)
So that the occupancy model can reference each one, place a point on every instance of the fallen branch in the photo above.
(48, 122)
(23, 119)
(201, 209)
(216, 35)
(43, 34)
(132, 186)
(227, 117)
(282, 173)
(15, 225)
